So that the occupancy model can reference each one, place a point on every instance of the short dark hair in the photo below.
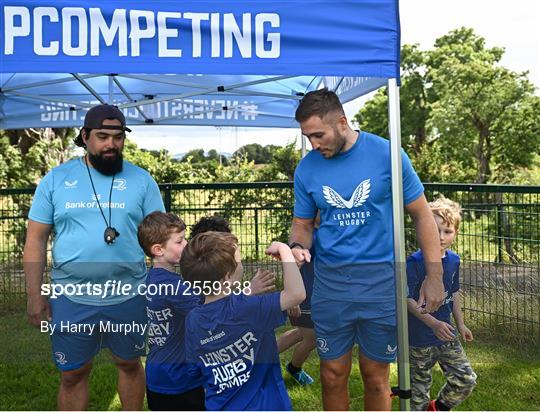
(156, 229)
(318, 103)
(210, 224)
(209, 256)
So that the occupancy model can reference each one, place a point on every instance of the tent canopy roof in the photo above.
(243, 63)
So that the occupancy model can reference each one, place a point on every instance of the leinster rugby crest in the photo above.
(358, 198)
(343, 215)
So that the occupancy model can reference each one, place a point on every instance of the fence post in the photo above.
(257, 233)
(499, 232)
(167, 197)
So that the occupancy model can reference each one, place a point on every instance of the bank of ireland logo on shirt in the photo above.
(358, 198)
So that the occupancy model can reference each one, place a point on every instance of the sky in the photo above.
(514, 25)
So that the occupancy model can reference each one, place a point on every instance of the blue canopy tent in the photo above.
(220, 63)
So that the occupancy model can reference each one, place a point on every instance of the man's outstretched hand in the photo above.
(431, 294)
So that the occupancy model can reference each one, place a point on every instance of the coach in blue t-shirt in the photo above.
(347, 176)
(93, 205)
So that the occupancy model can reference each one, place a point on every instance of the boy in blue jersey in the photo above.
(348, 178)
(432, 337)
(303, 334)
(168, 384)
(230, 339)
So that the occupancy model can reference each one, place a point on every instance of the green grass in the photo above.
(508, 374)
(508, 377)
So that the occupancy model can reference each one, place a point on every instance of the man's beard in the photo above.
(106, 166)
(339, 143)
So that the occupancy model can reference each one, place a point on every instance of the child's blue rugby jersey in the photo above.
(232, 341)
(166, 368)
(420, 334)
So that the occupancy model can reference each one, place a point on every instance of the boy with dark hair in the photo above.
(432, 337)
(168, 384)
(210, 224)
(231, 337)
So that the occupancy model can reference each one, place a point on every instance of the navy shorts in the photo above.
(341, 324)
(80, 331)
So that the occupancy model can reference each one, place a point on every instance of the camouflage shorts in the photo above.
(460, 378)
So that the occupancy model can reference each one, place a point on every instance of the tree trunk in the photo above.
(483, 155)
(504, 231)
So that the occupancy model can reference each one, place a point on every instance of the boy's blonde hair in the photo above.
(448, 210)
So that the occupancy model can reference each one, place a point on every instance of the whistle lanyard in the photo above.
(108, 224)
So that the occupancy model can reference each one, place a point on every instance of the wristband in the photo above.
(296, 244)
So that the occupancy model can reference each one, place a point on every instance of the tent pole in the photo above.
(124, 91)
(399, 242)
(89, 88)
(111, 88)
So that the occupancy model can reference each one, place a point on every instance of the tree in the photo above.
(284, 162)
(256, 153)
(163, 168)
(464, 117)
(194, 156)
(415, 107)
(26, 155)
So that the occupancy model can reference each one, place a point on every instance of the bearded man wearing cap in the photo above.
(93, 206)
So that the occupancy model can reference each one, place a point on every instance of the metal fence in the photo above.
(499, 239)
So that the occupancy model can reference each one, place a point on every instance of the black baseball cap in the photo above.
(94, 120)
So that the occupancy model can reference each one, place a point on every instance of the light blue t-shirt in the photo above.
(64, 198)
(233, 344)
(354, 243)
